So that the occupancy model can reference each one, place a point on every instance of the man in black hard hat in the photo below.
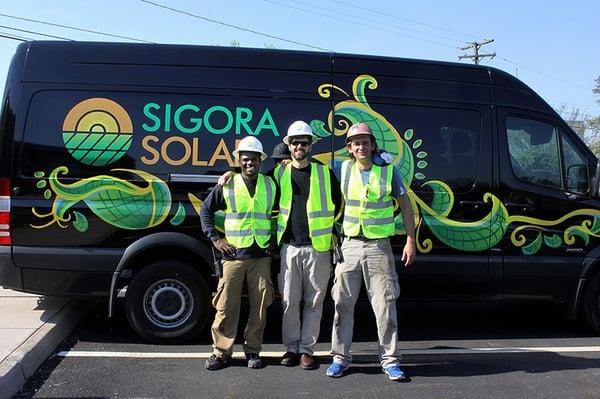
(281, 152)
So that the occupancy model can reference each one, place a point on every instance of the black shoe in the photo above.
(216, 363)
(254, 362)
(290, 359)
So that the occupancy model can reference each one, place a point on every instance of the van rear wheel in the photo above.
(592, 303)
(167, 302)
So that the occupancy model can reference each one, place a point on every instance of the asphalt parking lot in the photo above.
(454, 351)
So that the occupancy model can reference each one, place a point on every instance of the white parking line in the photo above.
(240, 355)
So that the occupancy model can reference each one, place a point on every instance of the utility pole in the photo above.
(476, 46)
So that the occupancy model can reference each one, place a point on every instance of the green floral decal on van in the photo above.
(478, 235)
(126, 205)
(116, 201)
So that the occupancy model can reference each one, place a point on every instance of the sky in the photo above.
(552, 46)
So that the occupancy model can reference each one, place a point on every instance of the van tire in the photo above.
(592, 303)
(167, 302)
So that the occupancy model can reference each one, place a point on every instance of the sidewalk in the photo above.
(31, 326)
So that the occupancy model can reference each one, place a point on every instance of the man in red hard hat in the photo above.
(369, 191)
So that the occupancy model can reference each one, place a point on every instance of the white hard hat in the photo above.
(299, 128)
(250, 144)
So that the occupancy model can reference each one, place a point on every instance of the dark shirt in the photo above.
(296, 232)
(215, 201)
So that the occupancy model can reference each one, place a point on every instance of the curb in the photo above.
(22, 363)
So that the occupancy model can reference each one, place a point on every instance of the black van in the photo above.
(107, 151)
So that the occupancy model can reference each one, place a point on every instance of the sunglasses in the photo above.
(297, 143)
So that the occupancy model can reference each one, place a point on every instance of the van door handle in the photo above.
(523, 207)
(472, 205)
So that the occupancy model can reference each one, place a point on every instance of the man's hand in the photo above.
(225, 178)
(224, 247)
(408, 253)
(272, 245)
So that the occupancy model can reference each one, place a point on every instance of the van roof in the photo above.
(92, 63)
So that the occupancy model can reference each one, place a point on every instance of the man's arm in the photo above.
(409, 251)
(399, 192)
(214, 202)
(336, 192)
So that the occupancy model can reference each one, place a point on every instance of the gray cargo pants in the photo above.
(373, 262)
(303, 277)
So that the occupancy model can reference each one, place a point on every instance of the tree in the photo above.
(594, 124)
(583, 124)
(577, 119)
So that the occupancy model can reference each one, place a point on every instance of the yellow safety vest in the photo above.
(319, 206)
(248, 219)
(369, 208)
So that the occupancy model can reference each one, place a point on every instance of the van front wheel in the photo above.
(592, 303)
(167, 302)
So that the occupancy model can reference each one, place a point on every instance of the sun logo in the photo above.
(97, 131)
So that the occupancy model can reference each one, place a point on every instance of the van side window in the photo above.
(575, 167)
(533, 151)
(451, 142)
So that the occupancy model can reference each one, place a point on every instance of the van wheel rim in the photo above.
(168, 303)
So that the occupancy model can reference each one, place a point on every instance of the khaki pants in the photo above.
(227, 302)
(373, 262)
(303, 277)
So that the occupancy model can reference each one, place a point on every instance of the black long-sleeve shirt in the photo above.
(215, 201)
(297, 232)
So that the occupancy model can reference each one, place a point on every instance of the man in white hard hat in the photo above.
(309, 200)
(247, 200)
(369, 190)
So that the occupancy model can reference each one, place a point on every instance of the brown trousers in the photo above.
(257, 272)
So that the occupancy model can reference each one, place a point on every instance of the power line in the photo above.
(403, 19)
(7, 36)
(456, 32)
(543, 74)
(214, 21)
(361, 17)
(573, 104)
(73, 28)
(35, 33)
(358, 23)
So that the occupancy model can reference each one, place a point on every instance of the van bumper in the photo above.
(10, 274)
(63, 271)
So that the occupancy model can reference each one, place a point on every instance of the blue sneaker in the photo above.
(395, 373)
(335, 370)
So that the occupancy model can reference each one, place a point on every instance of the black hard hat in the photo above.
(281, 151)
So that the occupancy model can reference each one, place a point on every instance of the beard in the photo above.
(300, 156)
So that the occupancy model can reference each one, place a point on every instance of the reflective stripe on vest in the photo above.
(248, 219)
(319, 206)
(369, 208)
